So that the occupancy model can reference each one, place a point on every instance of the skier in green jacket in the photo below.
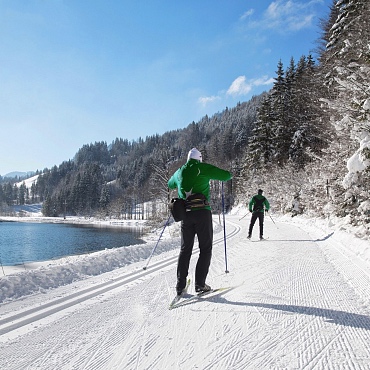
(192, 183)
(257, 205)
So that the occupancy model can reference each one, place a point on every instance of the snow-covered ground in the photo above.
(299, 300)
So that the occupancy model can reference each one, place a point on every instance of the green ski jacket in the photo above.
(193, 178)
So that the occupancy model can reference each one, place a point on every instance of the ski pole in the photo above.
(243, 217)
(273, 221)
(2, 266)
(223, 214)
(160, 236)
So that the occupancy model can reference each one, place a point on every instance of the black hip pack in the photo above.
(178, 207)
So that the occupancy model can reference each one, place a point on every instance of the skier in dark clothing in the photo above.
(192, 183)
(257, 205)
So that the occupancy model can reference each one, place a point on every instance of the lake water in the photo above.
(22, 242)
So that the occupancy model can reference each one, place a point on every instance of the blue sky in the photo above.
(73, 72)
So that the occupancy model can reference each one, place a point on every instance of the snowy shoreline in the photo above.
(6, 270)
(74, 221)
(33, 277)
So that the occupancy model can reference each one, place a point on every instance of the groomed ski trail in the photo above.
(300, 302)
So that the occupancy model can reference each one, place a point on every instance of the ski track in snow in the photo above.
(299, 302)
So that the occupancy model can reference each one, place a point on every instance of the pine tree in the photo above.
(22, 194)
(261, 143)
(279, 118)
(349, 56)
(310, 133)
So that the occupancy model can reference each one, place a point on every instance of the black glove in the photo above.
(266, 210)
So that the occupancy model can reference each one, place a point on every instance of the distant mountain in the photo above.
(19, 174)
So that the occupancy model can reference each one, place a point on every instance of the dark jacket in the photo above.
(258, 203)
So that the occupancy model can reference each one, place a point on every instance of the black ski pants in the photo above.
(260, 216)
(195, 223)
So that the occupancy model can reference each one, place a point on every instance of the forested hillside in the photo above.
(116, 179)
(307, 138)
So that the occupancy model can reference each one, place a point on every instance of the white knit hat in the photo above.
(195, 154)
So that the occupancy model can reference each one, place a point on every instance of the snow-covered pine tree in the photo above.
(279, 124)
(261, 147)
(349, 55)
(310, 130)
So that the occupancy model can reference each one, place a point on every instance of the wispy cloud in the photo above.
(247, 14)
(286, 15)
(241, 86)
(205, 100)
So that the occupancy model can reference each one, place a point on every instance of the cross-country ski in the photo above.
(179, 296)
(258, 239)
(187, 299)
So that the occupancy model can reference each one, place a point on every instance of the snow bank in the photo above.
(342, 234)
